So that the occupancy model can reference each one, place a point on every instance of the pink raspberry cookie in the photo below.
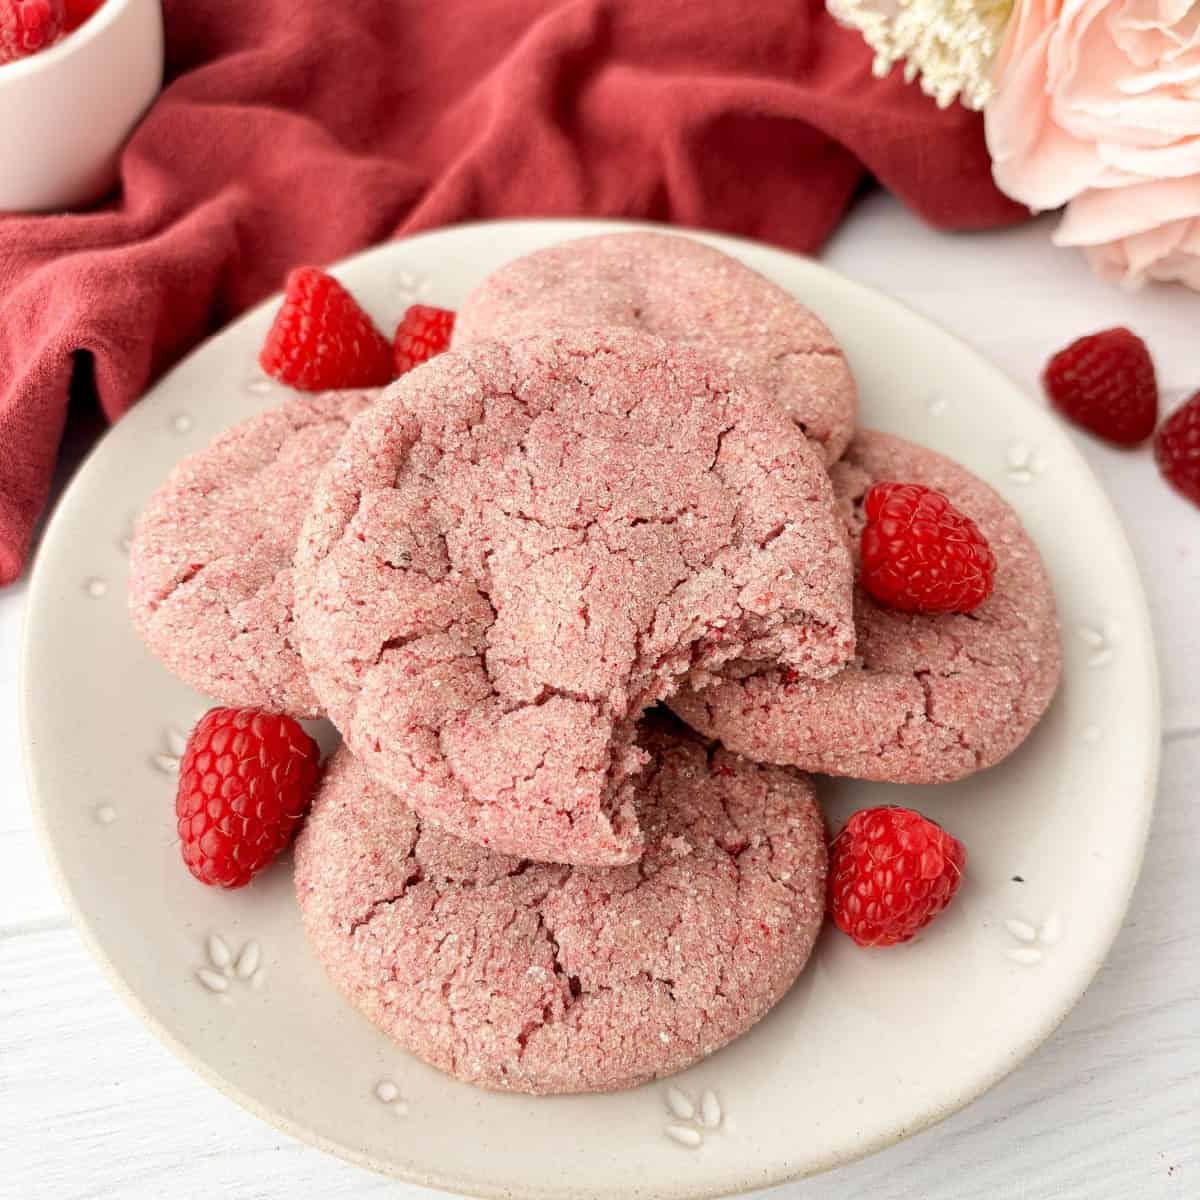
(689, 294)
(538, 978)
(210, 566)
(522, 546)
(933, 698)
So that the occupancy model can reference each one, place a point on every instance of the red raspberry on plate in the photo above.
(322, 339)
(920, 554)
(78, 11)
(27, 26)
(1105, 382)
(423, 332)
(246, 780)
(1177, 449)
(891, 872)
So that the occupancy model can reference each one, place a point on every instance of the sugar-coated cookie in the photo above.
(539, 978)
(521, 546)
(690, 294)
(210, 565)
(933, 697)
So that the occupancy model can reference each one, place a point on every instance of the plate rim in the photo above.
(782, 1171)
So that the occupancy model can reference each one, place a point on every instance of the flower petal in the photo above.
(1103, 215)
(1159, 162)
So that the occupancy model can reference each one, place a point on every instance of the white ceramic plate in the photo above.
(867, 1048)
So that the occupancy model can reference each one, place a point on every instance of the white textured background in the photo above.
(92, 1106)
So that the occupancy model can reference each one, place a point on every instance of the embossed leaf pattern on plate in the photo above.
(226, 968)
(174, 743)
(1032, 940)
(1023, 462)
(691, 1119)
(1101, 642)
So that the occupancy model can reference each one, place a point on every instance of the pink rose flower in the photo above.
(1098, 107)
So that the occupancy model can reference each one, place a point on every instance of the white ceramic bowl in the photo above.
(65, 113)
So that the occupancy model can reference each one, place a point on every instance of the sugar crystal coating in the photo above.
(521, 546)
(540, 978)
(689, 294)
(933, 698)
(210, 563)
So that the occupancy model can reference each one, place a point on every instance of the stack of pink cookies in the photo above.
(635, 478)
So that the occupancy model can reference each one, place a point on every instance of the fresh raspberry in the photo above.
(890, 873)
(321, 339)
(246, 780)
(920, 554)
(78, 11)
(423, 332)
(1105, 382)
(1177, 449)
(27, 26)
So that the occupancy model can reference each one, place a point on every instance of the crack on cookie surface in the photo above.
(211, 555)
(690, 295)
(550, 978)
(507, 486)
(905, 713)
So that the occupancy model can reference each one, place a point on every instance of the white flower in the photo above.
(950, 43)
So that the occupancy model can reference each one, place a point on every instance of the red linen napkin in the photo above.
(296, 131)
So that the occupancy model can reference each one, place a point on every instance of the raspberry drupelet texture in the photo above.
(29, 26)
(891, 871)
(1105, 382)
(423, 332)
(246, 780)
(920, 554)
(322, 339)
(1177, 449)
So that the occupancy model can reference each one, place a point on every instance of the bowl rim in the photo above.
(67, 46)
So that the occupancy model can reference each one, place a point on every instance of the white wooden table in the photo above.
(92, 1106)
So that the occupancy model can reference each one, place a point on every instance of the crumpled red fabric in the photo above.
(295, 133)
